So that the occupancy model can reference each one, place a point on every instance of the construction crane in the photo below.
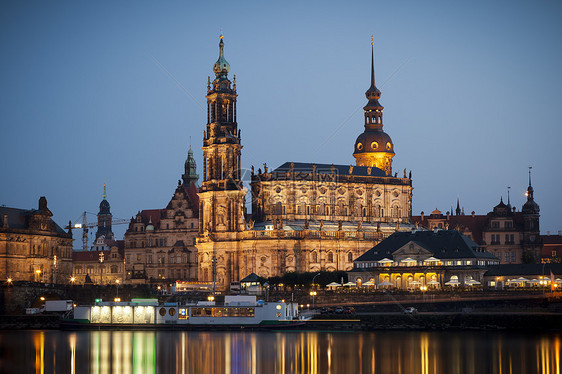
(85, 226)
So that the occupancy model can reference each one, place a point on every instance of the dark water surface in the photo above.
(278, 352)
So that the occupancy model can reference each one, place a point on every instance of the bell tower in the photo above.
(374, 147)
(221, 195)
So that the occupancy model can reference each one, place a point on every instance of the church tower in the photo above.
(374, 147)
(104, 218)
(221, 195)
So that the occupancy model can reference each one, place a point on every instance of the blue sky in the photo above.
(113, 91)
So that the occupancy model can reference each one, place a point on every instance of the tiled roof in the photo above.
(525, 269)
(443, 244)
(17, 218)
(551, 239)
(89, 255)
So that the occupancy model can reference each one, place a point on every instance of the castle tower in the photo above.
(374, 147)
(221, 195)
(190, 170)
(530, 214)
(104, 218)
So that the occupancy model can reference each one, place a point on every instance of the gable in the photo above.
(412, 249)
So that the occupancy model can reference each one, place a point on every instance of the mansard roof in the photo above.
(19, 218)
(307, 167)
(525, 269)
(443, 244)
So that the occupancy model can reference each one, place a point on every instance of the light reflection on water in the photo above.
(278, 352)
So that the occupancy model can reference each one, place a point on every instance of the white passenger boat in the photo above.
(236, 312)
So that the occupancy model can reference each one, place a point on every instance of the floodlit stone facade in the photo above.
(33, 247)
(305, 216)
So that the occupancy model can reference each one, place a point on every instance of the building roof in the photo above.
(443, 244)
(19, 218)
(524, 269)
(307, 167)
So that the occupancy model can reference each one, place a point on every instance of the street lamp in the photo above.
(313, 278)
(210, 298)
(101, 269)
(72, 280)
(313, 293)
(423, 289)
(117, 284)
(55, 269)
(38, 272)
(9, 281)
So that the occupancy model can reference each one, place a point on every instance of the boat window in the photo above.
(172, 311)
(162, 312)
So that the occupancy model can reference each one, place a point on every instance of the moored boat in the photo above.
(237, 312)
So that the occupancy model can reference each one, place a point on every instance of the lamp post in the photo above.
(9, 281)
(313, 278)
(101, 269)
(312, 293)
(38, 272)
(117, 285)
(55, 269)
(423, 289)
(72, 280)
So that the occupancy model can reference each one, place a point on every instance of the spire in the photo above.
(458, 210)
(221, 67)
(190, 169)
(372, 64)
(508, 199)
(104, 196)
(530, 189)
(373, 93)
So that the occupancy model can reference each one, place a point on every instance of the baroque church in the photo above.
(305, 216)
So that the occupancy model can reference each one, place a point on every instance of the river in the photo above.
(52, 351)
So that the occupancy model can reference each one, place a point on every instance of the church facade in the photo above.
(305, 216)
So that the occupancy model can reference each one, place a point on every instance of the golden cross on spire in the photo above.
(221, 32)
(371, 39)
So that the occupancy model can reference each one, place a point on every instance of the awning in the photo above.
(349, 284)
(453, 282)
(432, 282)
(369, 283)
(385, 261)
(409, 260)
(333, 284)
(415, 283)
(472, 282)
(385, 283)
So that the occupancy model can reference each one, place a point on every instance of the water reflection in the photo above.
(276, 352)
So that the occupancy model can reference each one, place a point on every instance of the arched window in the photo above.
(278, 208)
(330, 257)
(350, 257)
(314, 257)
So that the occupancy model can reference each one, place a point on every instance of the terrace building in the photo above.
(409, 260)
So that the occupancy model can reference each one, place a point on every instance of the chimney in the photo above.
(6, 221)
(421, 214)
(42, 203)
(472, 214)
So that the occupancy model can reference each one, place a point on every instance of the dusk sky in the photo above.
(112, 91)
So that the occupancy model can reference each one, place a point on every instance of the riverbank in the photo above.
(512, 321)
